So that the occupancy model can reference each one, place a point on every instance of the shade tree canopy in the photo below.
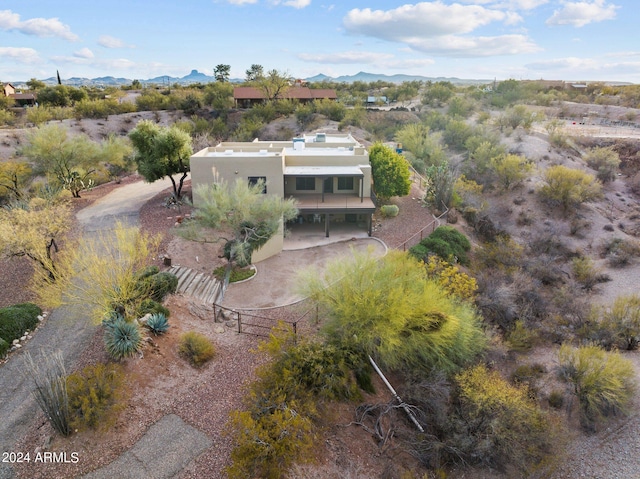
(390, 171)
(160, 152)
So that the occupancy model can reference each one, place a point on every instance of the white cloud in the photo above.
(242, 2)
(509, 4)
(439, 29)
(425, 19)
(83, 53)
(344, 57)
(457, 46)
(292, 3)
(108, 41)
(580, 14)
(20, 55)
(40, 27)
(569, 63)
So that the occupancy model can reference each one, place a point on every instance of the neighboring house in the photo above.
(328, 175)
(21, 99)
(247, 96)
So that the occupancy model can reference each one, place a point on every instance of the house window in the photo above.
(345, 182)
(253, 180)
(307, 183)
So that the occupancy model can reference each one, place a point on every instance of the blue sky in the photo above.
(593, 40)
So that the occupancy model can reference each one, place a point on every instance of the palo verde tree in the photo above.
(390, 172)
(34, 230)
(100, 272)
(389, 309)
(67, 160)
(250, 217)
(160, 152)
(14, 176)
(254, 73)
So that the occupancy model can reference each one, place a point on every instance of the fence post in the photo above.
(239, 322)
(295, 332)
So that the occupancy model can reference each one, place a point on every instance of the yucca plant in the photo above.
(121, 338)
(158, 324)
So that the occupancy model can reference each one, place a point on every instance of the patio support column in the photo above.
(369, 223)
(326, 224)
(324, 178)
(362, 189)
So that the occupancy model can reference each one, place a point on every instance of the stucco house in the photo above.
(328, 174)
(246, 96)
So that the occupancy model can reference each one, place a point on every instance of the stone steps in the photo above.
(198, 285)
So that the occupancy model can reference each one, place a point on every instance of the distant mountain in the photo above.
(196, 77)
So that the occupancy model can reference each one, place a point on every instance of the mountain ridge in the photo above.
(197, 77)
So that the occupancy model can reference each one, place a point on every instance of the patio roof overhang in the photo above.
(323, 171)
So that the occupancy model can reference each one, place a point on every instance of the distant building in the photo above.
(328, 174)
(21, 99)
(246, 96)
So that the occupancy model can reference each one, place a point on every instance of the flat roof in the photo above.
(331, 151)
(236, 153)
(323, 171)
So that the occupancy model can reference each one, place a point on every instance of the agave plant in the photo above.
(157, 323)
(121, 338)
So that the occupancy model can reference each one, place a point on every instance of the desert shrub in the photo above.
(161, 284)
(15, 320)
(499, 423)
(503, 254)
(528, 373)
(556, 399)
(121, 338)
(450, 278)
(196, 348)
(619, 325)
(95, 395)
(602, 381)
(510, 170)
(521, 338)
(157, 324)
(620, 252)
(7, 117)
(605, 160)
(568, 187)
(38, 116)
(49, 377)
(148, 305)
(446, 242)
(586, 273)
(389, 211)
(277, 429)
(4, 347)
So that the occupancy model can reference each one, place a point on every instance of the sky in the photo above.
(581, 40)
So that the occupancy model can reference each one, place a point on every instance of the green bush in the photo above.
(148, 271)
(122, 339)
(15, 320)
(556, 399)
(150, 306)
(389, 211)
(603, 382)
(95, 394)
(446, 242)
(161, 284)
(237, 273)
(157, 324)
(196, 348)
(4, 347)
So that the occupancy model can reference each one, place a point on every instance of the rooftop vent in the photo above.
(298, 143)
(263, 152)
(321, 137)
(228, 152)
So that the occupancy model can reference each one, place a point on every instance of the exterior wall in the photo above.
(271, 247)
(207, 170)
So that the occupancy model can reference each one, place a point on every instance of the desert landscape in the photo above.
(162, 384)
